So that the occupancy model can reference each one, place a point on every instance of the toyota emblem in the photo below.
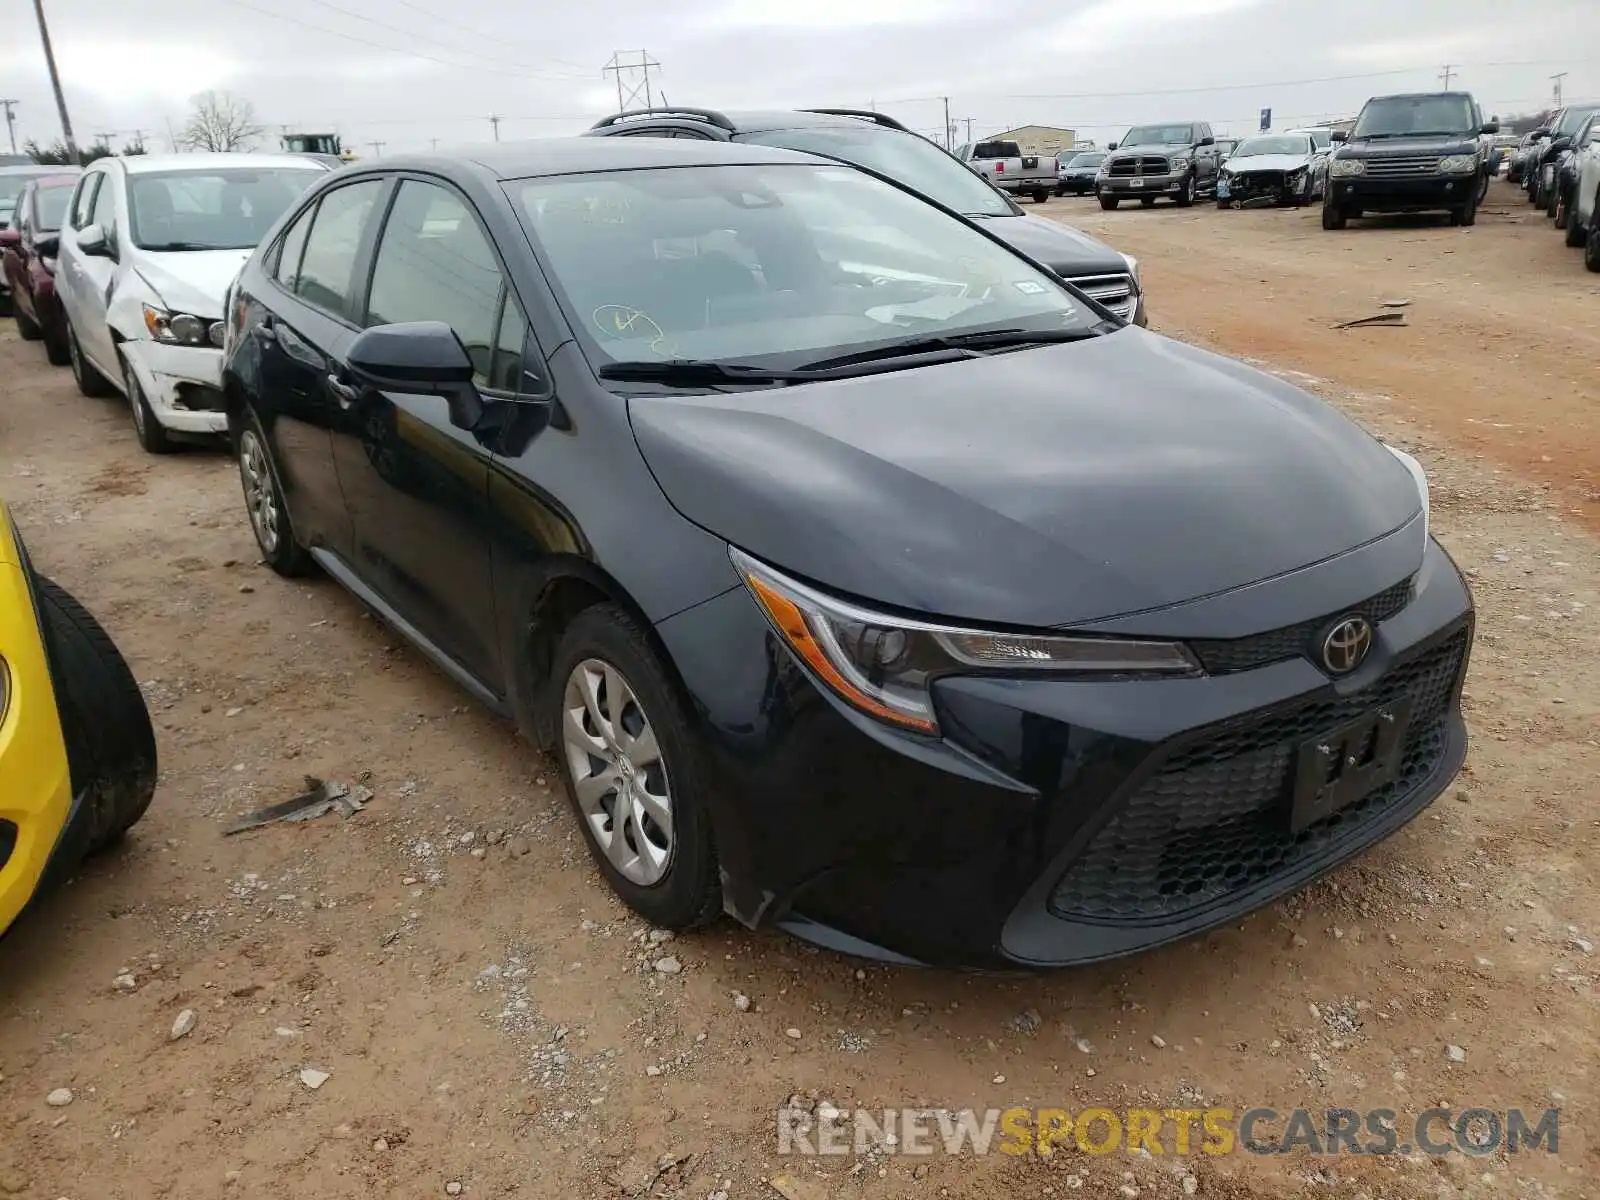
(1346, 645)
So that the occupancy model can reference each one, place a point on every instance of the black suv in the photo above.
(878, 143)
(1419, 152)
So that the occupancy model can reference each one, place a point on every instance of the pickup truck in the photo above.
(1009, 169)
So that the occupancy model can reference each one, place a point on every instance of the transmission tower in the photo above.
(637, 83)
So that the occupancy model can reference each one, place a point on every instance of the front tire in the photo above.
(625, 749)
(263, 498)
(1334, 216)
(111, 747)
(152, 434)
(89, 380)
(1576, 234)
(1040, 195)
(1465, 214)
(1184, 198)
(1109, 203)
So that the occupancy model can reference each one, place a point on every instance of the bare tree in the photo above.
(220, 121)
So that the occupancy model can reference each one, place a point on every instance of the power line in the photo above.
(1446, 75)
(492, 37)
(329, 5)
(361, 41)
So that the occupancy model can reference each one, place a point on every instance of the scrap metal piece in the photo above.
(319, 799)
(1383, 318)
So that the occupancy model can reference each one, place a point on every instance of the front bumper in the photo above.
(1253, 187)
(182, 383)
(1141, 185)
(1076, 184)
(1423, 194)
(35, 784)
(1055, 822)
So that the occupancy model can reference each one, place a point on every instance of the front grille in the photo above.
(1113, 291)
(1257, 181)
(1213, 820)
(199, 397)
(1124, 168)
(1397, 168)
(1224, 656)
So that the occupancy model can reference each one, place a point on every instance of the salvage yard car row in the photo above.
(596, 423)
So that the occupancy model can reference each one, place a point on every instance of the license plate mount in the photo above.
(1346, 764)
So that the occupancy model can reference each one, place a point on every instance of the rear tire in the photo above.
(683, 892)
(1576, 234)
(27, 328)
(1591, 246)
(264, 504)
(111, 746)
(1552, 202)
(55, 347)
(1109, 203)
(90, 382)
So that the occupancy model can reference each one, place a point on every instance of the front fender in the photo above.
(125, 307)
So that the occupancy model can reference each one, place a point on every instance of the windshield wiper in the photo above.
(959, 345)
(698, 372)
(163, 247)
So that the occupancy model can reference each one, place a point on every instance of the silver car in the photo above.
(148, 249)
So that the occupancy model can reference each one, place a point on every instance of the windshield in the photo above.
(1410, 116)
(12, 183)
(1087, 160)
(50, 205)
(1284, 144)
(1159, 135)
(225, 208)
(1574, 119)
(776, 261)
(903, 157)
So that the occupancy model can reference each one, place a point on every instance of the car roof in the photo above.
(752, 120)
(57, 178)
(581, 155)
(1422, 96)
(144, 164)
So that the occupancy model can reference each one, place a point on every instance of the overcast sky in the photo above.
(405, 72)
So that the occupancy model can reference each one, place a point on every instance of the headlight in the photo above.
(180, 329)
(1180, 162)
(885, 665)
(1458, 164)
(1345, 167)
(1417, 474)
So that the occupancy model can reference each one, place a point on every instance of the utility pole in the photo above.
(55, 81)
(433, 143)
(104, 139)
(494, 124)
(968, 120)
(947, 144)
(11, 121)
(1556, 79)
(1446, 74)
(634, 90)
(377, 148)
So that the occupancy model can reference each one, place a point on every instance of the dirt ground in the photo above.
(492, 1022)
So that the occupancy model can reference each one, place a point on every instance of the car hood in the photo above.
(1063, 249)
(1441, 144)
(1267, 162)
(191, 281)
(1048, 486)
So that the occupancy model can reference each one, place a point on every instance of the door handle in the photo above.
(342, 391)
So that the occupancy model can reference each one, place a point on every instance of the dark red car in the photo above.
(29, 250)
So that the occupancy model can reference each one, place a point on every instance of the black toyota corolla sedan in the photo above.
(865, 580)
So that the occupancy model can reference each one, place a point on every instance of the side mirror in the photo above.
(423, 358)
(1560, 143)
(47, 244)
(1491, 127)
(1208, 141)
(94, 242)
(10, 239)
(1339, 135)
(1540, 134)
(1111, 145)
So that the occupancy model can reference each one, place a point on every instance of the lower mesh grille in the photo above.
(1214, 820)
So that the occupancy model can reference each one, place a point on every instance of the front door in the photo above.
(415, 484)
(301, 344)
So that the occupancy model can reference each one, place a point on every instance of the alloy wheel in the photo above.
(618, 773)
(135, 399)
(260, 491)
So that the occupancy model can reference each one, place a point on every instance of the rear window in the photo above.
(997, 150)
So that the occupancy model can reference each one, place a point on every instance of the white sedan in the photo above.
(1275, 168)
(148, 248)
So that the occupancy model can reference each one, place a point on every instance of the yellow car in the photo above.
(77, 752)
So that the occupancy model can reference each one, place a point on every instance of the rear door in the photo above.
(416, 485)
(311, 323)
